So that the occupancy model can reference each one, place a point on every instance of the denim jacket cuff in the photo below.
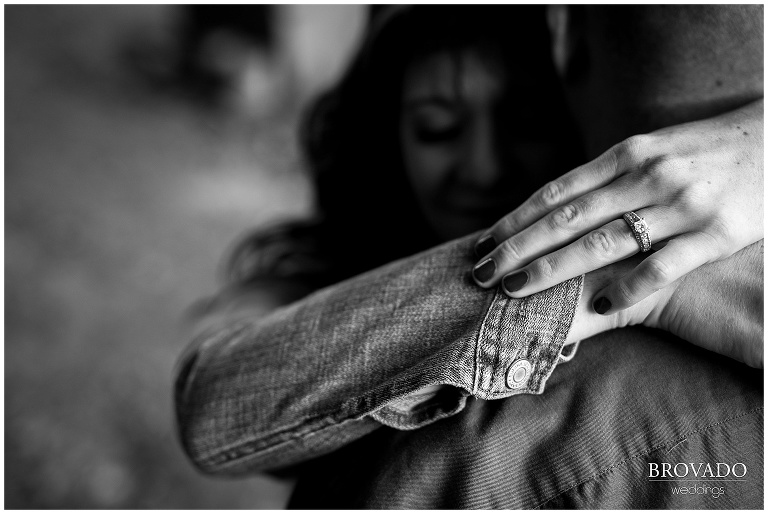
(516, 349)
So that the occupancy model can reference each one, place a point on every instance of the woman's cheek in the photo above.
(429, 168)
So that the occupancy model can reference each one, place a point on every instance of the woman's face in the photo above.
(474, 142)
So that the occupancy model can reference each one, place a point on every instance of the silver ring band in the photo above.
(639, 229)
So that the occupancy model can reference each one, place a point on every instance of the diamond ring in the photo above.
(639, 229)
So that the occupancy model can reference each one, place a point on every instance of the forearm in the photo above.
(310, 377)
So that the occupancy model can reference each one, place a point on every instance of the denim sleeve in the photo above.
(258, 394)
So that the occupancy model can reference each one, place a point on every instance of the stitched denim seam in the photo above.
(247, 448)
(295, 432)
(491, 318)
(644, 453)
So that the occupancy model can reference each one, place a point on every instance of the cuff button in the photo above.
(518, 373)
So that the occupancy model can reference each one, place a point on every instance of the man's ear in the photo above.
(566, 29)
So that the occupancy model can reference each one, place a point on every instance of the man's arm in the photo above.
(720, 307)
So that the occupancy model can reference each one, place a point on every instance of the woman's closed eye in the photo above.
(435, 124)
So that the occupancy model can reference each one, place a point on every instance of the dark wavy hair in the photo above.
(367, 212)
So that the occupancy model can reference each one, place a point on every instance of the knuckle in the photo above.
(721, 235)
(601, 243)
(719, 228)
(623, 294)
(694, 199)
(510, 251)
(508, 226)
(564, 217)
(552, 193)
(656, 272)
(658, 170)
(632, 149)
(543, 269)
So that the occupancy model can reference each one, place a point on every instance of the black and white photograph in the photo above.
(384, 256)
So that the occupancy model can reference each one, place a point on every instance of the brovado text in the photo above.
(696, 470)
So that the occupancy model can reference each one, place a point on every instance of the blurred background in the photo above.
(141, 142)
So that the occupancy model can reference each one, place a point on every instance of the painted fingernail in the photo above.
(484, 271)
(515, 281)
(485, 246)
(601, 305)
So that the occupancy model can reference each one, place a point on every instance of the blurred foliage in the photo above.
(120, 202)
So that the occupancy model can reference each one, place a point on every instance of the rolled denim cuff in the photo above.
(521, 341)
(517, 347)
(569, 352)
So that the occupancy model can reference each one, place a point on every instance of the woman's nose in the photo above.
(482, 164)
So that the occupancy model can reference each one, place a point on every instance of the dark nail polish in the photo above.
(515, 281)
(484, 271)
(601, 305)
(485, 246)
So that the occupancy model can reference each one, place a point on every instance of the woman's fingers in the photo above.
(610, 243)
(570, 186)
(560, 227)
(680, 256)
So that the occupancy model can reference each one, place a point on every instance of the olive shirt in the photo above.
(329, 381)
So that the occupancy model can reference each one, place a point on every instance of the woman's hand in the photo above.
(699, 187)
(718, 306)
(586, 323)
